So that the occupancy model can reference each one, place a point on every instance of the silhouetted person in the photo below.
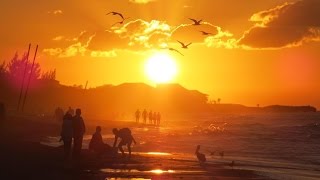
(150, 117)
(71, 111)
(137, 114)
(154, 118)
(158, 118)
(78, 132)
(58, 113)
(144, 115)
(98, 146)
(2, 112)
(126, 139)
(67, 134)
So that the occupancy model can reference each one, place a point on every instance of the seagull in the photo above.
(205, 33)
(116, 14)
(120, 22)
(196, 22)
(201, 157)
(172, 49)
(184, 45)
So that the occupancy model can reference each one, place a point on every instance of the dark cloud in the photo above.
(287, 25)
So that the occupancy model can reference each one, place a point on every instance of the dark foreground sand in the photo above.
(23, 157)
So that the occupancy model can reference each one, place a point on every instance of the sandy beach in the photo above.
(24, 157)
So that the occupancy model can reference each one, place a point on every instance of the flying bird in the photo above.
(196, 22)
(116, 14)
(201, 157)
(205, 33)
(120, 22)
(185, 46)
(172, 49)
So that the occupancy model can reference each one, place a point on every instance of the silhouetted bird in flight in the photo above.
(172, 49)
(196, 22)
(116, 14)
(205, 33)
(184, 45)
(120, 22)
(201, 157)
(232, 164)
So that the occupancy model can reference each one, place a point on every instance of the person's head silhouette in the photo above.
(78, 112)
(98, 129)
(115, 130)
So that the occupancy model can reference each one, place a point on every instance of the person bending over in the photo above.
(126, 139)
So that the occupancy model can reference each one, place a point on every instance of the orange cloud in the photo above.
(140, 35)
(287, 25)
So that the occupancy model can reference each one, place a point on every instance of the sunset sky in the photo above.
(260, 51)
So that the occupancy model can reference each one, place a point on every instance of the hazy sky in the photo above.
(261, 51)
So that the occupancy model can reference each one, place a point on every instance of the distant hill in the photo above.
(108, 100)
(237, 108)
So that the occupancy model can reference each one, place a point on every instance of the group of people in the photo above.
(100, 148)
(154, 117)
(73, 129)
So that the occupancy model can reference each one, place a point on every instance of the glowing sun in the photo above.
(161, 68)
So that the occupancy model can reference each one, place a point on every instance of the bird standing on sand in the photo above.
(196, 22)
(184, 46)
(116, 14)
(205, 33)
(201, 157)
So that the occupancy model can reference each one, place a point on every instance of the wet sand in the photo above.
(23, 157)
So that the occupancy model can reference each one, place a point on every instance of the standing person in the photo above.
(144, 115)
(137, 115)
(154, 117)
(79, 129)
(126, 139)
(150, 117)
(66, 134)
(158, 118)
(71, 111)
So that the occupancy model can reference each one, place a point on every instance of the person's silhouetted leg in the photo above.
(67, 148)
(77, 146)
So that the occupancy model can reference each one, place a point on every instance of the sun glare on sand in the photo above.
(161, 68)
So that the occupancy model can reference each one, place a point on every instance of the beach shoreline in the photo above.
(25, 158)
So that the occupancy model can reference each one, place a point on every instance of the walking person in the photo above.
(67, 134)
(78, 132)
(137, 115)
(154, 118)
(150, 117)
(144, 116)
(158, 118)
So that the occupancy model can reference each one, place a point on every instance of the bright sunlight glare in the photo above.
(161, 68)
